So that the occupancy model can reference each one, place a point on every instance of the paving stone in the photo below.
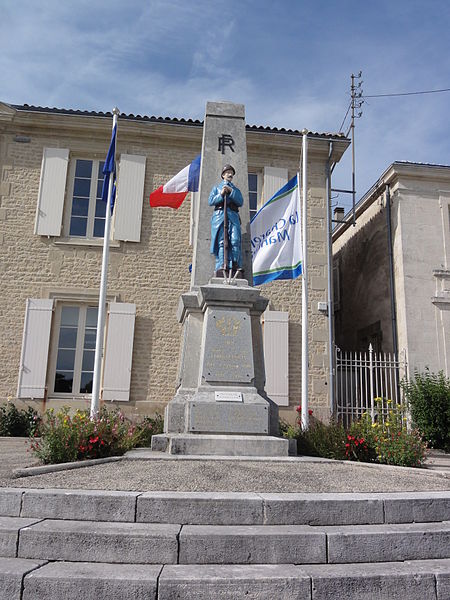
(72, 581)
(322, 509)
(226, 582)
(100, 542)
(195, 508)
(259, 544)
(80, 505)
(9, 532)
(12, 572)
(419, 507)
(10, 502)
(385, 543)
(380, 581)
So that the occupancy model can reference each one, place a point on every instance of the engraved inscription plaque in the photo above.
(228, 417)
(228, 397)
(228, 352)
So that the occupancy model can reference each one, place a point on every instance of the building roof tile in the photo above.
(171, 120)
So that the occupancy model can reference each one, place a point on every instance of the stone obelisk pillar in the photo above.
(220, 406)
(224, 142)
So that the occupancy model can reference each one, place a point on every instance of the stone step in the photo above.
(251, 544)
(22, 579)
(226, 508)
(92, 541)
(9, 533)
(150, 543)
(220, 445)
(102, 581)
(276, 544)
(415, 580)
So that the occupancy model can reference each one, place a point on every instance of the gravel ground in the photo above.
(302, 475)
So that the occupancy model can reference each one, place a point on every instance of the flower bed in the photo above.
(66, 438)
(384, 439)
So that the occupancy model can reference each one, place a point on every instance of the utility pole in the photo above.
(356, 103)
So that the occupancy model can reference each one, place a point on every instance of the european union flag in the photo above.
(109, 168)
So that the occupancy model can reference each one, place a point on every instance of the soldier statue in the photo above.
(226, 199)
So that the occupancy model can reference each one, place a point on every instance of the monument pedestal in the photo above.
(220, 406)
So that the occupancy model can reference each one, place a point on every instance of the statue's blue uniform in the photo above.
(234, 225)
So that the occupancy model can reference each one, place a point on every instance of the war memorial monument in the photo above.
(220, 406)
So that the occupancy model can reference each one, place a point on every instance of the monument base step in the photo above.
(220, 445)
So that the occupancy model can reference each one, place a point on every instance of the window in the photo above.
(58, 348)
(74, 369)
(69, 200)
(87, 210)
(253, 193)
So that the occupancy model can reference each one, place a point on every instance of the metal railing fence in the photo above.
(361, 377)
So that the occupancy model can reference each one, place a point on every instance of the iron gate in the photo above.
(363, 376)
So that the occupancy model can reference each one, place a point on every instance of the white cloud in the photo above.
(289, 63)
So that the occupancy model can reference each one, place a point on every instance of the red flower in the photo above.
(94, 440)
(310, 412)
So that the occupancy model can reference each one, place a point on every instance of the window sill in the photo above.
(75, 241)
(84, 399)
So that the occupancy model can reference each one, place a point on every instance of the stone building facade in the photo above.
(419, 196)
(51, 258)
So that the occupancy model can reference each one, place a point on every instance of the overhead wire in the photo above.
(406, 93)
(343, 120)
(390, 96)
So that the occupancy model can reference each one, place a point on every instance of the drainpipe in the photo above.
(391, 271)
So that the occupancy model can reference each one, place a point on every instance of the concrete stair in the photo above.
(167, 545)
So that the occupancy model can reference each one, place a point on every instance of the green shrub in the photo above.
(147, 428)
(428, 396)
(384, 440)
(402, 448)
(18, 423)
(287, 430)
(66, 438)
(327, 441)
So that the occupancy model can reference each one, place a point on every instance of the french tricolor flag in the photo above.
(173, 193)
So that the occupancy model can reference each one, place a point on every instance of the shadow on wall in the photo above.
(364, 313)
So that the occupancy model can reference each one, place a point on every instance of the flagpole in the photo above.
(305, 350)
(95, 401)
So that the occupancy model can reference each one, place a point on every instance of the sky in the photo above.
(289, 62)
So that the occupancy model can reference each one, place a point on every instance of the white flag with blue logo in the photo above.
(276, 236)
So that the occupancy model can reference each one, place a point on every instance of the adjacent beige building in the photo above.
(51, 223)
(419, 313)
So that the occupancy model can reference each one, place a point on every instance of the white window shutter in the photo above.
(52, 187)
(119, 351)
(130, 196)
(35, 344)
(276, 355)
(274, 179)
